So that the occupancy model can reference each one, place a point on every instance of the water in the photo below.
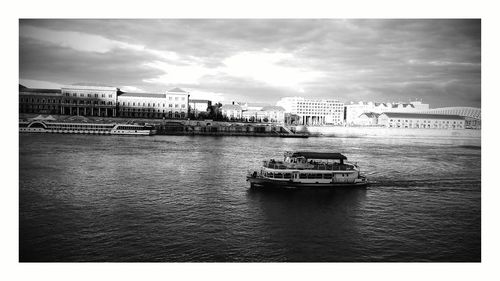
(182, 198)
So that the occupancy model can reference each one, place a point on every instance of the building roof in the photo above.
(472, 112)
(230, 107)
(319, 155)
(177, 90)
(272, 108)
(143, 95)
(200, 101)
(422, 115)
(370, 114)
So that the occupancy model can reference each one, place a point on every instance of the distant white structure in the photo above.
(354, 110)
(274, 114)
(314, 111)
(231, 111)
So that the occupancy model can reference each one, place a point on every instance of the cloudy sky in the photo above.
(260, 60)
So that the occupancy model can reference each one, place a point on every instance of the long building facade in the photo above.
(418, 120)
(103, 101)
(472, 114)
(43, 101)
(314, 111)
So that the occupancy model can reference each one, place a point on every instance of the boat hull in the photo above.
(269, 183)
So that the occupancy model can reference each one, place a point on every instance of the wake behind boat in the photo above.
(308, 170)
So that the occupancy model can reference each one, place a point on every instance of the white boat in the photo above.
(85, 128)
(308, 170)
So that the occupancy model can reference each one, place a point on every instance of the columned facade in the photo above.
(314, 112)
(89, 100)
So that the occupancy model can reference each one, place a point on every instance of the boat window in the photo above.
(303, 176)
(287, 175)
(278, 175)
(269, 175)
(327, 176)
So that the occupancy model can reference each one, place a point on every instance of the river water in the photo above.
(185, 198)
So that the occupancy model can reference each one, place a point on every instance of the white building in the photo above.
(418, 120)
(172, 104)
(89, 100)
(314, 111)
(354, 110)
(231, 111)
(274, 114)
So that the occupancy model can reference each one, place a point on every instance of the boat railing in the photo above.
(323, 167)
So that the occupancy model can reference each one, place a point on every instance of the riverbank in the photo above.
(221, 128)
(350, 132)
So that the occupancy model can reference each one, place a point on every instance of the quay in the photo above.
(180, 127)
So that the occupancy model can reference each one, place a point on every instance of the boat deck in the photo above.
(280, 165)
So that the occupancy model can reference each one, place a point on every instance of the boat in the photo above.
(304, 169)
(85, 128)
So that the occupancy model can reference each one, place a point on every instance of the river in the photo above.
(185, 198)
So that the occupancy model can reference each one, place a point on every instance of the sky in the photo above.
(437, 61)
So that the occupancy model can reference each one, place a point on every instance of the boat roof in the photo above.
(319, 155)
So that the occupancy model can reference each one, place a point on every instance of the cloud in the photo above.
(37, 84)
(132, 89)
(263, 60)
(204, 95)
(270, 68)
(178, 74)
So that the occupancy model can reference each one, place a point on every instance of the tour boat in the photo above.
(85, 128)
(308, 169)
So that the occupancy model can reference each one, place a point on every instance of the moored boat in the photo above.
(85, 128)
(308, 170)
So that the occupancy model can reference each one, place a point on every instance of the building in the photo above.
(172, 104)
(145, 105)
(472, 114)
(231, 111)
(353, 111)
(104, 101)
(199, 106)
(42, 101)
(255, 106)
(419, 120)
(368, 119)
(314, 111)
(274, 114)
(89, 100)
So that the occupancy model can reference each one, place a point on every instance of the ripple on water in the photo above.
(178, 198)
